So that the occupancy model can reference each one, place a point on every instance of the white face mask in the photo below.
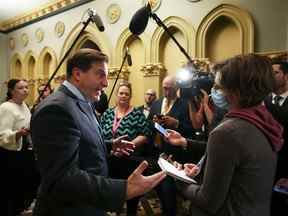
(219, 99)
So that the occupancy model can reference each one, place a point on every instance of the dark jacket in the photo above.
(72, 159)
(280, 113)
(180, 112)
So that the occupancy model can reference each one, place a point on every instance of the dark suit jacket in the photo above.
(179, 111)
(280, 113)
(141, 108)
(72, 159)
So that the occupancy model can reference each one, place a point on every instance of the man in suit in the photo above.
(171, 112)
(149, 98)
(277, 104)
(71, 153)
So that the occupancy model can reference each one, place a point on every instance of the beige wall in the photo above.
(223, 40)
(269, 18)
(286, 33)
(3, 65)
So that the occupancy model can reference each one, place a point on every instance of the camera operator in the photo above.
(195, 85)
(209, 111)
(207, 105)
(200, 110)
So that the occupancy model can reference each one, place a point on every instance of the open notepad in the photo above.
(174, 172)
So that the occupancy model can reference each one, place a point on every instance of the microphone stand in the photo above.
(161, 24)
(118, 75)
(62, 60)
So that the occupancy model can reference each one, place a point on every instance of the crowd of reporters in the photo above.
(238, 127)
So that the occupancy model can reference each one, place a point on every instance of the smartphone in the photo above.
(162, 130)
(280, 189)
(159, 116)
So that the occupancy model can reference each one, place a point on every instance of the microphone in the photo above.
(140, 20)
(129, 59)
(96, 19)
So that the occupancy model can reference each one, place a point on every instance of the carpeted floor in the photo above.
(148, 206)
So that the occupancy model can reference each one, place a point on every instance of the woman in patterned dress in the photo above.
(124, 119)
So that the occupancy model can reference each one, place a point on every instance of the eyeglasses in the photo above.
(150, 94)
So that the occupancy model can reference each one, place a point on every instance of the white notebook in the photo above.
(174, 172)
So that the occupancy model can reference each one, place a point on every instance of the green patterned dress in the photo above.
(133, 124)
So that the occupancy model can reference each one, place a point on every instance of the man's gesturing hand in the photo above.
(138, 184)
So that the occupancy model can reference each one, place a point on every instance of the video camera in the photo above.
(190, 80)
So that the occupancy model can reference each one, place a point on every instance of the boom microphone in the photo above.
(129, 59)
(96, 19)
(140, 20)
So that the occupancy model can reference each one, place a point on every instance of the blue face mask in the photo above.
(219, 99)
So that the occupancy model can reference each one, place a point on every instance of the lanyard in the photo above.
(117, 121)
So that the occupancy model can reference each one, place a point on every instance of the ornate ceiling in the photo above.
(18, 13)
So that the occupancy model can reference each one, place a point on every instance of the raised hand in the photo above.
(175, 138)
(191, 170)
(170, 122)
(158, 118)
(137, 184)
(205, 98)
(122, 147)
(22, 132)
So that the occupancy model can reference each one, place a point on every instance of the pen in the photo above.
(201, 162)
